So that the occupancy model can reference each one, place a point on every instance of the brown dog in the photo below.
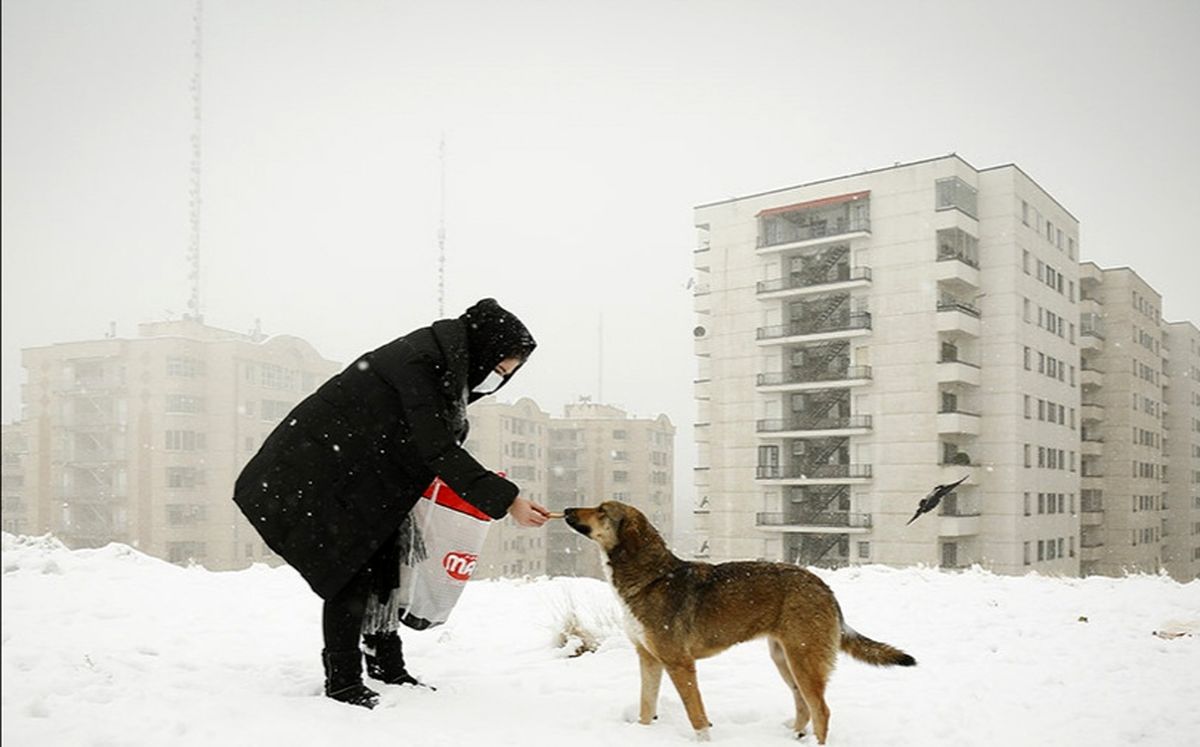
(678, 611)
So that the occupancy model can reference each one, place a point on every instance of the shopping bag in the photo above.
(439, 543)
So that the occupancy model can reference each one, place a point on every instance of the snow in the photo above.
(111, 647)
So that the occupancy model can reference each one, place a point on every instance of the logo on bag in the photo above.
(459, 565)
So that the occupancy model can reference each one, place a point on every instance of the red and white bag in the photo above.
(440, 543)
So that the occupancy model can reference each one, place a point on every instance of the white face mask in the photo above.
(489, 384)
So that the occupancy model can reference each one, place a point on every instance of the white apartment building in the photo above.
(863, 338)
(1124, 469)
(511, 438)
(138, 440)
(1181, 544)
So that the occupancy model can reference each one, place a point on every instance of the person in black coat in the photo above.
(332, 483)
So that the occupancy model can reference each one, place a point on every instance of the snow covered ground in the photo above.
(110, 647)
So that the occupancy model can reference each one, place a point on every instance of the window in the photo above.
(274, 410)
(1025, 215)
(620, 476)
(1027, 368)
(183, 403)
(864, 550)
(955, 194)
(619, 435)
(1025, 260)
(185, 367)
(184, 441)
(1027, 505)
(1026, 553)
(1027, 406)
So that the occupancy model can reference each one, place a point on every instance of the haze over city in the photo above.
(579, 137)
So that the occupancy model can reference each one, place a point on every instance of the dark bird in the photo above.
(931, 501)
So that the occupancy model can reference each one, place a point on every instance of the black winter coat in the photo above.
(336, 478)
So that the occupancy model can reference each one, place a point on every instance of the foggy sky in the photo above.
(580, 135)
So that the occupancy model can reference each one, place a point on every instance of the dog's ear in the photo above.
(630, 527)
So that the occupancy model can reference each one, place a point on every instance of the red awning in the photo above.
(823, 202)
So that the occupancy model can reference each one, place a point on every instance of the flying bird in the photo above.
(931, 501)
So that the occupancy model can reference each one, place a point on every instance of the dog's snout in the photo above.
(571, 516)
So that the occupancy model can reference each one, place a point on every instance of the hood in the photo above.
(493, 334)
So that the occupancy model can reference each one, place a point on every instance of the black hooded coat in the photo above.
(335, 479)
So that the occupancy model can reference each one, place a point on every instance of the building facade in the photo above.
(511, 438)
(1181, 543)
(599, 453)
(1124, 470)
(139, 440)
(18, 513)
(864, 338)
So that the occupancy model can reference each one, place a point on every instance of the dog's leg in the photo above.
(652, 670)
(780, 658)
(810, 671)
(684, 678)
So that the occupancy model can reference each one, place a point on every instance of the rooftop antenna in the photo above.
(441, 293)
(193, 253)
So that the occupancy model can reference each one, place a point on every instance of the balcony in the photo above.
(855, 324)
(958, 372)
(817, 523)
(948, 473)
(820, 474)
(1090, 306)
(798, 380)
(958, 318)
(959, 422)
(1091, 340)
(814, 222)
(798, 284)
(1092, 446)
(1091, 412)
(852, 425)
(957, 270)
(1091, 512)
(1089, 378)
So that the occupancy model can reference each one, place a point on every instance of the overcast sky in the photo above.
(579, 136)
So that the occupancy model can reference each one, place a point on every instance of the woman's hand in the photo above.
(527, 513)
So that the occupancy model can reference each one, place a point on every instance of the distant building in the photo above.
(1123, 467)
(139, 440)
(1181, 541)
(599, 453)
(512, 438)
(18, 514)
(591, 454)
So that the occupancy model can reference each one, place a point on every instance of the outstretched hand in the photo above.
(527, 513)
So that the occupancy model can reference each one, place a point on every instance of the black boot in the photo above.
(343, 679)
(385, 660)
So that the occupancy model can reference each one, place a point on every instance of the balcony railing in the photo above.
(1089, 544)
(950, 304)
(799, 280)
(816, 230)
(1092, 506)
(955, 411)
(814, 472)
(949, 253)
(802, 376)
(959, 360)
(856, 320)
(813, 424)
(822, 519)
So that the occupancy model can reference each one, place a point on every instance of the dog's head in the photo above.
(612, 524)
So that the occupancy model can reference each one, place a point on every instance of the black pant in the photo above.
(342, 615)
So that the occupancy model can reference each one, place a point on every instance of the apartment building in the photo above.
(863, 338)
(139, 440)
(598, 453)
(1181, 541)
(18, 515)
(512, 438)
(1124, 470)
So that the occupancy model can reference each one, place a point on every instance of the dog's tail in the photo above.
(872, 651)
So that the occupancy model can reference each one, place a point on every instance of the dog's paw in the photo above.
(702, 735)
